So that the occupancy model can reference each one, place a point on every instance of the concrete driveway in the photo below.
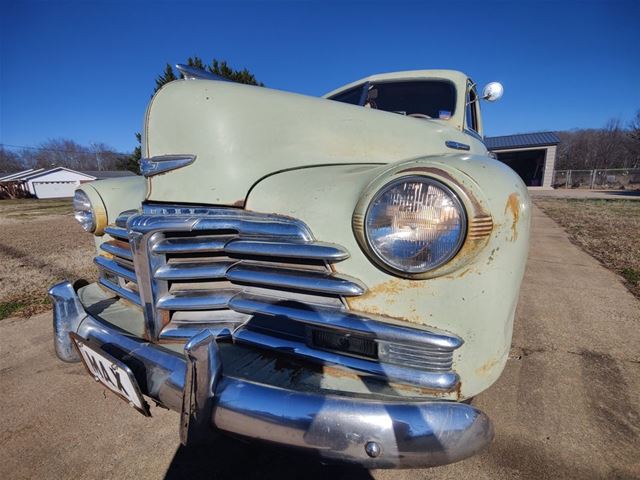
(566, 406)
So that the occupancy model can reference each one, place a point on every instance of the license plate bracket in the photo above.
(110, 372)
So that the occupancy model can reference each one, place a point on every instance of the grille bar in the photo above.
(115, 268)
(196, 300)
(343, 320)
(117, 248)
(117, 232)
(203, 244)
(312, 250)
(298, 279)
(193, 270)
(120, 291)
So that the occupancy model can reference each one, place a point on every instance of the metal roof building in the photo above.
(531, 155)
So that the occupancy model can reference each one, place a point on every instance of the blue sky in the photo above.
(85, 70)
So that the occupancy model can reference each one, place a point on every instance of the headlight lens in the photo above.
(83, 211)
(415, 224)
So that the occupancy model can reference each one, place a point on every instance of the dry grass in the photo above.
(40, 244)
(609, 230)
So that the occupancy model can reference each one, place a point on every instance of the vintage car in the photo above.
(336, 275)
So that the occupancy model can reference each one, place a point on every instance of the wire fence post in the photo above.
(593, 178)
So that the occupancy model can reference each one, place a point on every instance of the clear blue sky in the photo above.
(85, 69)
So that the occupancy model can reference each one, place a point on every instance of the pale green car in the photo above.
(337, 275)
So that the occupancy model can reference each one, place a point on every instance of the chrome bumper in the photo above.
(373, 434)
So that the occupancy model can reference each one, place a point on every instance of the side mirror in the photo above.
(492, 91)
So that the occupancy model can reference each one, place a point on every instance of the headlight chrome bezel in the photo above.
(478, 220)
(461, 211)
(94, 208)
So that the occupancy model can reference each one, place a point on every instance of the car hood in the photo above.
(240, 134)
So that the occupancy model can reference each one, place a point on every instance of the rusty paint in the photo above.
(513, 206)
(487, 367)
(239, 203)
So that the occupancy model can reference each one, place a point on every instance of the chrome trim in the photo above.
(191, 245)
(473, 134)
(196, 300)
(457, 145)
(195, 73)
(432, 380)
(133, 297)
(164, 163)
(115, 268)
(193, 270)
(406, 433)
(121, 220)
(146, 230)
(117, 232)
(342, 320)
(298, 279)
(204, 370)
(68, 313)
(114, 249)
(178, 331)
(310, 250)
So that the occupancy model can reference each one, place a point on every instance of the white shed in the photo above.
(56, 182)
(46, 183)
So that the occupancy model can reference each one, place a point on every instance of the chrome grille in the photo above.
(266, 279)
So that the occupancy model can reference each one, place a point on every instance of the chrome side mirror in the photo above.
(492, 91)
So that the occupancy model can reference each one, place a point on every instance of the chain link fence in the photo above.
(599, 179)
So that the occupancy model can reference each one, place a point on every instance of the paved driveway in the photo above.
(566, 406)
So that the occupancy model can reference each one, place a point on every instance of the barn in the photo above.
(57, 182)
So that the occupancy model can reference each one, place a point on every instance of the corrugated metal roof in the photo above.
(522, 140)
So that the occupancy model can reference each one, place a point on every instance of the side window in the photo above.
(351, 96)
(471, 112)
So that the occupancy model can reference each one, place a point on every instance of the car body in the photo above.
(316, 274)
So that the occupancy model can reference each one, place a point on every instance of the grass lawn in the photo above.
(609, 230)
(40, 244)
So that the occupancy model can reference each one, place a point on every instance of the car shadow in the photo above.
(623, 193)
(225, 457)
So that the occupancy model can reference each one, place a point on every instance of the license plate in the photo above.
(111, 373)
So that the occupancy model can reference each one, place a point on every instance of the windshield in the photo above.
(421, 98)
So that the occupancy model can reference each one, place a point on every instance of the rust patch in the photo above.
(513, 206)
(239, 203)
(486, 368)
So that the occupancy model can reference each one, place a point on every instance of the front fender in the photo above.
(474, 297)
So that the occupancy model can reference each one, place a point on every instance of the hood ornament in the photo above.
(164, 163)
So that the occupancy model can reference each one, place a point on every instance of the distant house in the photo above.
(57, 182)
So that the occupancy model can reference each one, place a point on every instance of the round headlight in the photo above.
(83, 211)
(415, 224)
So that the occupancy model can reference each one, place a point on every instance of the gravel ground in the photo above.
(567, 405)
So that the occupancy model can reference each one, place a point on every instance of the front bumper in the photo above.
(370, 433)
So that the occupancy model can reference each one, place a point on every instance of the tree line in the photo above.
(615, 146)
(62, 153)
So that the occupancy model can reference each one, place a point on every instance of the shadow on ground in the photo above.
(228, 458)
(623, 193)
